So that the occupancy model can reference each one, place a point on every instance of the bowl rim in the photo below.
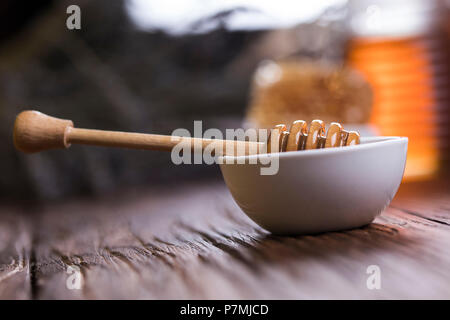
(366, 143)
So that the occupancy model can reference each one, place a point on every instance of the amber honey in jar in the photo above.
(397, 46)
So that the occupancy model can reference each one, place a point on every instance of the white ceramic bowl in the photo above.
(320, 190)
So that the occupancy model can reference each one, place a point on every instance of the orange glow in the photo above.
(400, 72)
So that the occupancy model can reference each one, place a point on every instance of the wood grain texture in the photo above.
(15, 249)
(193, 242)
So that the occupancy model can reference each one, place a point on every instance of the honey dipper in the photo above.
(318, 190)
(35, 132)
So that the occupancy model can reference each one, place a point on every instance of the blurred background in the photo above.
(378, 66)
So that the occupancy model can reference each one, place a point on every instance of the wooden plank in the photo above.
(429, 200)
(15, 245)
(193, 242)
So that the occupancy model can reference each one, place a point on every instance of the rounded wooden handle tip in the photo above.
(35, 131)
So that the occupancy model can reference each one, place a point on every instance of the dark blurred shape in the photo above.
(15, 15)
(110, 76)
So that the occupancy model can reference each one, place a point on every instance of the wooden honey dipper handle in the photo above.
(35, 132)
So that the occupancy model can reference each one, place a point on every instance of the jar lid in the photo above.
(392, 18)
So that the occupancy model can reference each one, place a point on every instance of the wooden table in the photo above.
(192, 241)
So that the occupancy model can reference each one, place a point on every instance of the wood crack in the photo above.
(33, 278)
(416, 214)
